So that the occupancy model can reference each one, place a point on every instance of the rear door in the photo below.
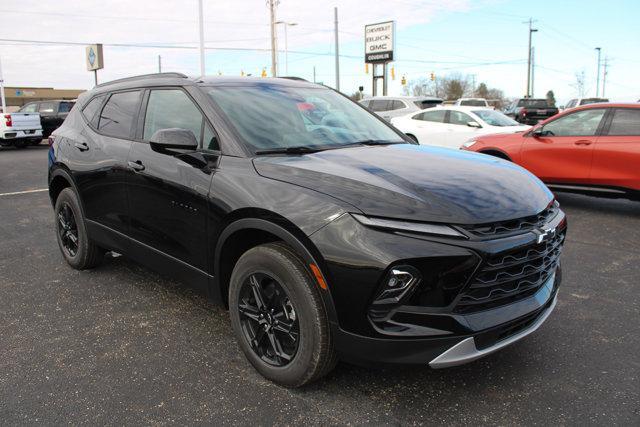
(430, 127)
(48, 111)
(616, 160)
(168, 192)
(565, 153)
(98, 159)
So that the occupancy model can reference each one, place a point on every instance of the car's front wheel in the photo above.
(278, 316)
(71, 232)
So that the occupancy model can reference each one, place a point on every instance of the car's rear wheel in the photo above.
(71, 233)
(278, 316)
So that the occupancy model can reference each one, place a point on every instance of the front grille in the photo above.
(511, 276)
(519, 225)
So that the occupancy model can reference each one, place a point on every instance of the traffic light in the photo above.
(403, 81)
(264, 72)
(393, 73)
(433, 76)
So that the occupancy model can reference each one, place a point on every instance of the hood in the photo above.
(413, 182)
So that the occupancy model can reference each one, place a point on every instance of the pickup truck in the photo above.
(20, 129)
(530, 111)
(52, 113)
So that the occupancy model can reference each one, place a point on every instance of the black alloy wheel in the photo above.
(268, 319)
(68, 230)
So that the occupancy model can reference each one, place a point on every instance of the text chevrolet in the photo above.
(326, 232)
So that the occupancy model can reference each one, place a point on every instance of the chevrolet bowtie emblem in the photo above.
(544, 234)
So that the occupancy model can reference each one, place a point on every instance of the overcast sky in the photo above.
(486, 38)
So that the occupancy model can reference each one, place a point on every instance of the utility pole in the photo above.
(201, 23)
(286, 44)
(274, 43)
(533, 70)
(159, 63)
(598, 73)
(531, 31)
(3, 101)
(604, 75)
(335, 13)
(314, 73)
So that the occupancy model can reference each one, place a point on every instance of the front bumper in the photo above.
(446, 351)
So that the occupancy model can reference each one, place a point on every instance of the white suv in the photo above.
(396, 106)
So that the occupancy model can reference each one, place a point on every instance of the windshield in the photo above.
(533, 103)
(473, 102)
(495, 118)
(273, 116)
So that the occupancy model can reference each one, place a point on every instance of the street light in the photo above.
(286, 47)
(598, 72)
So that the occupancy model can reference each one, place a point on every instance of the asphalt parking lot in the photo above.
(122, 345)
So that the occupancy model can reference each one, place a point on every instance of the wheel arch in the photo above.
(251, 227)
(495, 152)
(59, 179)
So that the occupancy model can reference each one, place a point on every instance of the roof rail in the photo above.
(142, 77)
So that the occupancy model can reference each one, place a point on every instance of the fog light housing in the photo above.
(397, 286)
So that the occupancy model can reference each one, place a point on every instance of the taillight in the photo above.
(523, 111)
(7, 117)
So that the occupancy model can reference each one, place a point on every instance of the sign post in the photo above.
(3, 101)
(94, 59)
(379, 45)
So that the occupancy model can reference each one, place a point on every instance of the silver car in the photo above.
(388, 107)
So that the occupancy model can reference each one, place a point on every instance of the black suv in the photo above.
(52, 113)
(530, 111)
(323, 229)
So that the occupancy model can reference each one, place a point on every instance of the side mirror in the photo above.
(538, 132)
(474, 124)
(165, 140)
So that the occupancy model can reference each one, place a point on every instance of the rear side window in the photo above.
(65, 107)
(396, 105)
(172, 108)
(379, 105)
(625, 122)
(119, 113)
(90, 111)
(431, 116)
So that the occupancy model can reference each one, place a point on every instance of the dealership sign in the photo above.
(379, 42)
(94, 57)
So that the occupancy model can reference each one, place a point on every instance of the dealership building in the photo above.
(16, 97)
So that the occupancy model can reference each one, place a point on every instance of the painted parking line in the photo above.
(16, 193)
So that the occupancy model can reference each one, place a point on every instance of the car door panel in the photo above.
(168, 194)
(565, 154)
(616, 160)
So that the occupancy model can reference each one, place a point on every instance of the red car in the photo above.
(593, 148)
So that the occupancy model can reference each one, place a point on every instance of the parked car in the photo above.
(472, 102)
(52, 113)
(341, 239)
(590, 149)
(20, 129)
(530, 111)
(390, 106)
(452, 126)
(576, 102)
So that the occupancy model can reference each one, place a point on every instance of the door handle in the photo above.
(136, 166)
(82, 146)
(583, 142)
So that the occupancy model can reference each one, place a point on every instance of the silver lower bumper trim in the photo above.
(466, 351)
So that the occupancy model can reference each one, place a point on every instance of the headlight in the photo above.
(415, 227)
(469, 143)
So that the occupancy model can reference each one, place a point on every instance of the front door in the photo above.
(564, 153)
(167, 193)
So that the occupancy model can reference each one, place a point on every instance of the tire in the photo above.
(84, 254)
(300, 302)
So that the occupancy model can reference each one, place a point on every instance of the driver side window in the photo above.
(581, 123)
(458, 118)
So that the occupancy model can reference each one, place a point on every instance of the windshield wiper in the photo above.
(301, 149)
(378, 142)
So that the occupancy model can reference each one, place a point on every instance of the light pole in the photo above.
(531, 31)
(201, 25)
(286, 47)
(598, 73)
(3, 101)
